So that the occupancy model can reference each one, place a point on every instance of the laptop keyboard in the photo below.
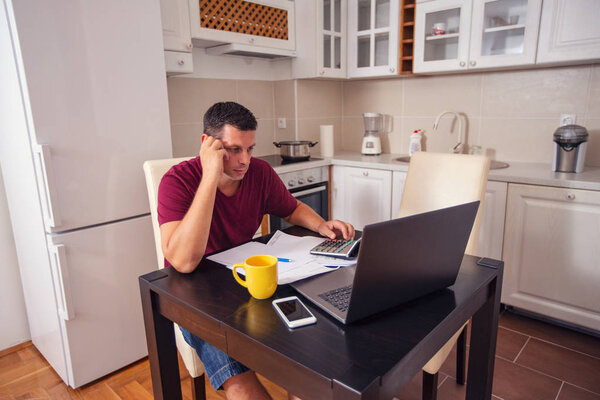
(339, 298)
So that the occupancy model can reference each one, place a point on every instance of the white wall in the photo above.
(13, 316)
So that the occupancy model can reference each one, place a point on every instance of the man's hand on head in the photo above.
(333, 228)
(212, 154)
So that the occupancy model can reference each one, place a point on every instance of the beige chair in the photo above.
(154, 171)
(438, 180)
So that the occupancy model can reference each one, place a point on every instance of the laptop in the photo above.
(398, 261)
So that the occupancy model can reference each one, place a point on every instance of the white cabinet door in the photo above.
(175, 17)
(373, 31)
(569, 31)
(475, 34)
(366, 195)
(260, 23)
(398, 180)
(551, 253)
(491, 231)
(321, 50)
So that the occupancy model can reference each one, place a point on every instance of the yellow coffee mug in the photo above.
(261, 275)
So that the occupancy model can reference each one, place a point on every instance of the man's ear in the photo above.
(203, 137)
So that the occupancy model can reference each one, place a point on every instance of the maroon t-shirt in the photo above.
(235, 219)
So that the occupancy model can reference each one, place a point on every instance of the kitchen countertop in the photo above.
(517, 172)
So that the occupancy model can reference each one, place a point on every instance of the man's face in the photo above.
(239, 146)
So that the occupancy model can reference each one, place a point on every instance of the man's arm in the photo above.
(306, 217)
(184, 242)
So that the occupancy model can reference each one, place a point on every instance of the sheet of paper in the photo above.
(302, 264)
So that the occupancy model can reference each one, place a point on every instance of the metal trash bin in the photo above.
(570, 142)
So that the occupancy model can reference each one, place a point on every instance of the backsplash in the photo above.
(510, 114)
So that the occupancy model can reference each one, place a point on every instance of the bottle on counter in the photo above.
(415, 142)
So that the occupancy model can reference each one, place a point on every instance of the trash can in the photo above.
(570, 142)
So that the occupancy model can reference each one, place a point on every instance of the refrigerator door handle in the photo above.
(62, 282)
(51, 216)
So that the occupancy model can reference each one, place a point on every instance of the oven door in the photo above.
(315, 196)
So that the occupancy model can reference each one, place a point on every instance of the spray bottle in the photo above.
(415, 142)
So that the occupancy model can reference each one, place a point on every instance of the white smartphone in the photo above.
(293, 312)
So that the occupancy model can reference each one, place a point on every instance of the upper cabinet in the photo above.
(175, 17)
(373, 37)
(263, 28)
(569, 31)
(321, 48)
(455, 35)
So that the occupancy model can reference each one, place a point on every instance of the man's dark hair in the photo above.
(228, 113)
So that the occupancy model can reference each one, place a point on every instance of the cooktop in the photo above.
(275, 160)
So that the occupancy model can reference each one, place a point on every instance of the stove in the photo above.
(275, 160)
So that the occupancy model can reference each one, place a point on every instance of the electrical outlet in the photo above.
(567, 119)
(281, 123)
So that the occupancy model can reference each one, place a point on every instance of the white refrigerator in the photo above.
(83, 102)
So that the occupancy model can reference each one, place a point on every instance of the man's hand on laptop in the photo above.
(333, 228)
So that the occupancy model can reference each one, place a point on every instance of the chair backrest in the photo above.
(154, 171)
(438, 180)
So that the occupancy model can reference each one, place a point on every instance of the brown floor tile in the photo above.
(562, 336)
(515, 382)
(570, 366)
(509, 343)
(450, 390)
(413, 390)
(570, 392)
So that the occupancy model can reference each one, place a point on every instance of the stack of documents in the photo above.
(300, 263)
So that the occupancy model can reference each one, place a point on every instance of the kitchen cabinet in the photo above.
(551, 253)
(264, 28)
(177, 40)
(569, 31)
(321, 51)
(475, 34)
(398, 180)
(373, 32)
(361, 196)
(491, 231)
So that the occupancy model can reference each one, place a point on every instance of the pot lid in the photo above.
(571, 134)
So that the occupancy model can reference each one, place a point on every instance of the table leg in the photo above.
(482, 353)
(162, 351)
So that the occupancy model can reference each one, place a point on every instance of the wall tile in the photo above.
(309, 129)
(528, 140)
(593, 110)
(189, 98)
(265, 135)
(538, 93)
(592, 152)
(381, 96)
(257, 96)
(285, 108)
(186, 139)
(430, 95)
(352, 133)
(319, 99)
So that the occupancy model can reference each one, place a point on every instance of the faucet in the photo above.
(459, 144)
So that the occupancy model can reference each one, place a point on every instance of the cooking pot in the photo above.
(295, 150)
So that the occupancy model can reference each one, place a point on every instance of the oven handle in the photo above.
(309, 191)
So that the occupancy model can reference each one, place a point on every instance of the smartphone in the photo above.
(488, 262)
(293, 312)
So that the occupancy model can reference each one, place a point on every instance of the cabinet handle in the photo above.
(322, 73)
(473, 63)
(462, 64)
(180, 62)
(365, 173)
(392, 70)
(571, 196)
(251, 40)
(189, 46)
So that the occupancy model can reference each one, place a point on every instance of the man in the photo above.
(217, 200)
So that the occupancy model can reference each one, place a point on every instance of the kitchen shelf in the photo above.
(442, 37)
(407, 24)
(504, 28)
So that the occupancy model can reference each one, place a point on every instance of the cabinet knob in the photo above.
(472, 63)
(322, 73)
(180, 62)
(189, 46)
(462, 64)
(392, 70)
(571, 196)
(365, 173)
(251, 40)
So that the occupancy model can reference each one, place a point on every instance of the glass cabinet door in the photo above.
(442, 30)
(332, 48)
(373, 36)
(504, 32)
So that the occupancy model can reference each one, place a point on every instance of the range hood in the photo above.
(238, 49)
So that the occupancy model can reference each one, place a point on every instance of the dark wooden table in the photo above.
(371, 359)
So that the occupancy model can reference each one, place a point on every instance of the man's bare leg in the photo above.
(245, 387)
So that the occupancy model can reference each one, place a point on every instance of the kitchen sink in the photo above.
(493, 165)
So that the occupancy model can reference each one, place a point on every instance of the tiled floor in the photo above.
(534, 361)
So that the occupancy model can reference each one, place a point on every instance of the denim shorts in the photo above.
(218, 366)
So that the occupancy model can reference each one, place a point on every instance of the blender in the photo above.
(371, 144)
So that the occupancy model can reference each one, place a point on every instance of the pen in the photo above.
(283, 259)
